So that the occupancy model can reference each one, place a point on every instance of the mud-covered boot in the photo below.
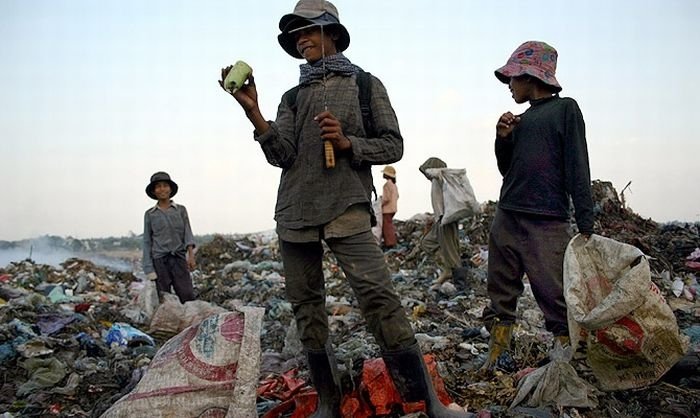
(322, 369)
(412, 380)
(501, 334)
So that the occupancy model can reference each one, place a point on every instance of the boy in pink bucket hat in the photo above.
(318, 204)
(543, 157)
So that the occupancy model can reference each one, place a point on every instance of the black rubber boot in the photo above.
(412, 380)
(322, 369)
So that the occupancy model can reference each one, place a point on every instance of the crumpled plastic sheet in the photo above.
(45, 372)
(556, 384)
(51, 323)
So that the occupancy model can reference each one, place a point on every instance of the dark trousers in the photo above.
(388, 230)
(172, 272)
(526, 244)
(443, 240)
(364, 266)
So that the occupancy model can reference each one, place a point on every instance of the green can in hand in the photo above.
(237, 76)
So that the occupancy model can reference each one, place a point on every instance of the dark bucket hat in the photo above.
(155, 178)
(534, 58)
(309, 13)
(432, 162)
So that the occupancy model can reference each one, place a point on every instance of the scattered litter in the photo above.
(65, 312)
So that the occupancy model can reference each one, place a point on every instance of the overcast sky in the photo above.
(95, 96)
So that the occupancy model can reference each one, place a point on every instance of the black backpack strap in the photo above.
(364, 84)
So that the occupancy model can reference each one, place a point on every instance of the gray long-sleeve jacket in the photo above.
(309, 194)
(165, 232)
(545, 160)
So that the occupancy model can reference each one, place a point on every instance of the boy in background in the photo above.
(168, 243)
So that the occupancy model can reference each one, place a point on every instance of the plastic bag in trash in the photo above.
(127, 336)
(556, 383)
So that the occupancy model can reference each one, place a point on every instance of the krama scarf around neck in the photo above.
(336, 63)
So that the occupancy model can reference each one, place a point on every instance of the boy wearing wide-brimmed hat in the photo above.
(316, 204)
(543, 157)
(168, 243)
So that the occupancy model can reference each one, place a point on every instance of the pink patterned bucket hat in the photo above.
(533, 58)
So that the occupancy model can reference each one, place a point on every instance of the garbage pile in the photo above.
(56, 353)
(76, 338)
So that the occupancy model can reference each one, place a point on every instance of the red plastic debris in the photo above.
(378, 384)
(383, 394)
(281, 387)
(55, 408)
(82, 307)
(352, 407)
(375, 395)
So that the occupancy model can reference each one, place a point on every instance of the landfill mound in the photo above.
(58, 357)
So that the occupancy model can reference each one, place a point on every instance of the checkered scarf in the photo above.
(337, 63)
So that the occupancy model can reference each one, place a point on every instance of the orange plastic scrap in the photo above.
(383, 395)
(303, 405)
(378, 384)
(355, 407)
(438, 383)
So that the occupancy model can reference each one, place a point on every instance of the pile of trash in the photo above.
(78, 337)
(58, 354)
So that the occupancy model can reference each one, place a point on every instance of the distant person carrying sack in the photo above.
(168, 243)
(440, 240)
(390, 197)
(325, 197)
(543, 157)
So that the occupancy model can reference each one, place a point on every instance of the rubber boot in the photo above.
(501, 334)
(322, 369)
(412, 380)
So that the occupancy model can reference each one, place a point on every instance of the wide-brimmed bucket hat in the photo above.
(155, 178)
(308, 13)
(389, 171)
(534, 58)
